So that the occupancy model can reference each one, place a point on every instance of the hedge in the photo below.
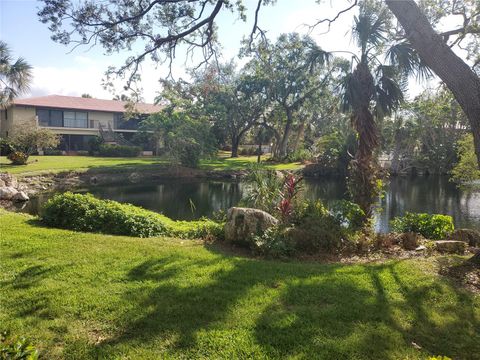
(84, 212)
(431, 226)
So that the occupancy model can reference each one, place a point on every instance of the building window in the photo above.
(75, 119)
(59, 118)
(43, 117)
(56, 118)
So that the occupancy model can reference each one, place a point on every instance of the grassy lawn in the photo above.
(90, 296)
(57, 164)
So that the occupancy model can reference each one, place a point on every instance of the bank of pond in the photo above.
(191, 199)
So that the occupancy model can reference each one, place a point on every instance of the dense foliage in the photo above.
(431, 226)
(424, 133)
(16, 349)
(86, 213)
(115, 150)
(26, 140)
(185, 138)
(466, 169)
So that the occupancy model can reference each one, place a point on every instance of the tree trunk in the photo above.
(451, 69)
(299, 137)
(235, 144)
(259, 155)
(283, 146)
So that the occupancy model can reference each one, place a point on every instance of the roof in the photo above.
(79, 103)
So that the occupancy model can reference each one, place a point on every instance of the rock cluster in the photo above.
(10, 189)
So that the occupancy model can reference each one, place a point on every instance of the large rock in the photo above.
(244, 223)
(9, 180)
(7, 193)
(451, 246)
(20, 196)
(469, 236)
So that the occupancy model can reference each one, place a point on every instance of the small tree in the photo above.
(466, 169)
(26, 140)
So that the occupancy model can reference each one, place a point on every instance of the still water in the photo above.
(192, 199)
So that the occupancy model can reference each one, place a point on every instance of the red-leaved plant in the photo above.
(290, 190)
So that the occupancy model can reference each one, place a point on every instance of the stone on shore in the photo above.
(7, 193)
(451, 246)
(20, 196)
(245, 223)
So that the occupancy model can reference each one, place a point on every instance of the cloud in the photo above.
(85, 76)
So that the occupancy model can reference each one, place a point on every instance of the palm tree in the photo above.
(15, 77)
(370, 92)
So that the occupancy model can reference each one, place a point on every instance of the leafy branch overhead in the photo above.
(161, 26)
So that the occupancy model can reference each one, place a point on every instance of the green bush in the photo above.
(86, 213)
(190, 155)
(18, 349)
(52, 152)
(274, 242)
(348, 214)
(317, 229)
(111, 150)
(300, 155)
(431, 226)
(94, 145)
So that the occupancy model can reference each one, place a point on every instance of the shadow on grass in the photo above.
(312, 311)
(336, 318)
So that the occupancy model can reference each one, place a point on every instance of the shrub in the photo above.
(6, 147)
(26, 140)
(300, 155)
(263, 189)
(19, 349)
(94, 145)
(86, 213)
(348, 214)
(431, 226)
(18, 157)
(190, 155)
(274, 242)
(51, 152)
(111, 150)
(316, 229)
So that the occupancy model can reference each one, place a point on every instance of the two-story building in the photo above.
(75, 119)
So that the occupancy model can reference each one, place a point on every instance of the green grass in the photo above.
(57, 164)
(91, 296)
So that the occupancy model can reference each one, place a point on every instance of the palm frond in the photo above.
(404, 56)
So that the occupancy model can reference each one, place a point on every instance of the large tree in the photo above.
(294, 71)
(163, 25)
(234, 100)
(371, 90)
(438, 55)
(15, 76)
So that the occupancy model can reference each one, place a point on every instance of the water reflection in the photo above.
(191, 199)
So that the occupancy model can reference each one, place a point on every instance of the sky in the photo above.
(58, 69)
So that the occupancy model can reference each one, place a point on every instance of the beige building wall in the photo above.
(16, 116)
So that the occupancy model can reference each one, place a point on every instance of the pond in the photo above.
(191, 199)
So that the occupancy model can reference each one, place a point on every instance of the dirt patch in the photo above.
(462, 272)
